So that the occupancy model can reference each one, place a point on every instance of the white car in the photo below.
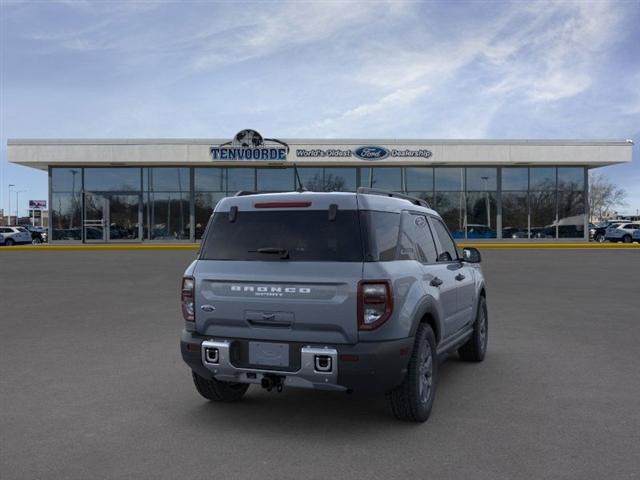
(15, 235)
(623, 232)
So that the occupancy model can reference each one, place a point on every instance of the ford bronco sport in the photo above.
(348, 292)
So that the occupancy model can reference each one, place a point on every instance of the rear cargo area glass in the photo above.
(306, 235)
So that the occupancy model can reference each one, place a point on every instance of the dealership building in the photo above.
(132, 190)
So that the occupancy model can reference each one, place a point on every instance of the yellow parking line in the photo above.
(551, 246)
(195, 246)
(77, 247)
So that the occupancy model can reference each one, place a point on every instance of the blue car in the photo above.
(475, 232)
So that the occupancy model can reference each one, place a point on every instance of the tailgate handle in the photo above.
(269, 323)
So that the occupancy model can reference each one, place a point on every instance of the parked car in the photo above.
(15, 235)
(514, 232)
(38, 234)
(336, 291)
(599, 231)
(636, 235)
(622, 232)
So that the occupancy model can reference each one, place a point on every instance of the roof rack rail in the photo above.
(386, 193)
(242, 193)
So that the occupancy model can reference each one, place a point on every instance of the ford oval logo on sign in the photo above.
(371, 153)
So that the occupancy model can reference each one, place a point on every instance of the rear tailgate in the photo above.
(282, 267)
(283, 301)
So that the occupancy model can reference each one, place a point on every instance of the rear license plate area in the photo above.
(269, 354)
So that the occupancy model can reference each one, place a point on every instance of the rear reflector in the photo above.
(282, 205)
(348, 358)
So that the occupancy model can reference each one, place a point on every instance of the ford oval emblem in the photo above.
(371, 153)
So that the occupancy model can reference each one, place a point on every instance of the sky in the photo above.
(374, 69)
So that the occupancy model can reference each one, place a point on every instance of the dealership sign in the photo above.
(366, 152)
(250, 145)
(38, 204)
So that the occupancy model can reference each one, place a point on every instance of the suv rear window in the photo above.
(305, 235)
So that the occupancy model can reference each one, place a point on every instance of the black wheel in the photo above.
(476, 347)
(217, 391)
(626, 239)
(599, 238)
(9, 242)
(36, 241)
(413, 399)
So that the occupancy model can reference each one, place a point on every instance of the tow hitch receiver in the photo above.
(269, 382)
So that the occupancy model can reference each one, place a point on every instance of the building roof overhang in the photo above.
(43, 153)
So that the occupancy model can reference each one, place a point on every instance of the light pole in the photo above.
(9, 214)
(18, 192)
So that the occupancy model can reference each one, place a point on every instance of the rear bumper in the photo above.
(363, 367)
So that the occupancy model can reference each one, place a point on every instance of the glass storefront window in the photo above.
(571, 178)
(167, 215)
(449, 179)
(112, 179)
(340, 179)
(451, 207)
(66, 179)
(209, 179)
(66, 217)
(419, 179)
(542, 178)
(515, 215)
(543, 214)
(166, 179)
(312, 179)
(482, 179)
(241, 179)
(516, 179)
(571, 212)
(428, 196)
(481, 215)
(205, 202)
(384, 178)
(275, 179)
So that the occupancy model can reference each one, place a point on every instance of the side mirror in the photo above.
(471, 255)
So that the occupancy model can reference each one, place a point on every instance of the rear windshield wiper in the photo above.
(283, 252)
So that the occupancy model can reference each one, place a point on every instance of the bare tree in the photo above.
(604, 196)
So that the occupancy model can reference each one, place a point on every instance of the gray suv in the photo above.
(337, 291)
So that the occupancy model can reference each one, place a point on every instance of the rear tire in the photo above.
(217, 391)
(626, 239)
(476, 347)
(413, 399)
(36, 241)
(9, 242)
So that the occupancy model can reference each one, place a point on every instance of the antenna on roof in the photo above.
(300, 187)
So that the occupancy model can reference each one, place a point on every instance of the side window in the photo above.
(382, 232)
(412, 244)
(449, 251)
(407, 245)
(417, 229)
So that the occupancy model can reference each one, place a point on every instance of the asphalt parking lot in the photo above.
(93, 386)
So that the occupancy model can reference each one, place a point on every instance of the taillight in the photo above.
(186, 299)
(375, 303)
